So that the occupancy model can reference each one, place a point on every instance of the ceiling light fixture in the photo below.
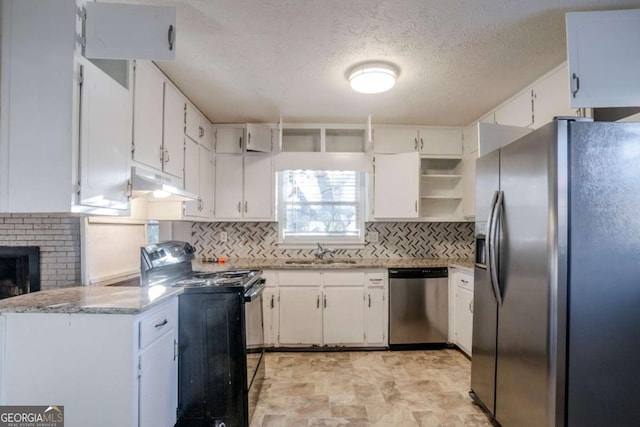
(372, 77)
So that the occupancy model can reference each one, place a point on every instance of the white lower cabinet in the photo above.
(300, 315)
(158, 382)
(462, 282)
(343, 315)
(326, 308)
(375, 317)
(126, 361)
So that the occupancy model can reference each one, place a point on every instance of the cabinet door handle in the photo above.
(175, 349)
(239, 207)
(325, 301)
(575, 78)
(240, 143)
(248, 139)
(464, 281)
(421, 144)
(369, 300)
(471, 306)
(415, 144)
(161, 324)
(166, 156)
(272, 303)
(246, 204)
(161, 154)
(318, 302)
(171, 37)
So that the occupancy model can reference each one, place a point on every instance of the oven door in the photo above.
(254, 341)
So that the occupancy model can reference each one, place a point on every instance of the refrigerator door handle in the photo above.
(493, 238)
(489, 246)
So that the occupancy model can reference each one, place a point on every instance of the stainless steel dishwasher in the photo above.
(418, 307)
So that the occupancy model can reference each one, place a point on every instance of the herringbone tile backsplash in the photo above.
(396, 240)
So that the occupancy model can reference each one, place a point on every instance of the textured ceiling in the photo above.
(254, 60)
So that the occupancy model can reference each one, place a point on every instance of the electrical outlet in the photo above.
(223, 236)
(372, 237)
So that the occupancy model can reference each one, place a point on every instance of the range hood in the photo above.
(157, 186)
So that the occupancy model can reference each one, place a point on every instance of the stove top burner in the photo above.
(191, 282)
(213, 279)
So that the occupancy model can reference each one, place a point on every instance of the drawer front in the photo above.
(374, 279)
(158, 322)
(299, 278)
(464, 280)
(344, 278)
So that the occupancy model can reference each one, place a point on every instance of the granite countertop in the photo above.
(331, 263)
(135, 299)
(89, 299)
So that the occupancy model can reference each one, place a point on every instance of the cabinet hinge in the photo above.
(133, 148)
(82, 14)
(139, 371)
(129, 192)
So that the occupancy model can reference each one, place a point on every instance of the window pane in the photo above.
(320, 204)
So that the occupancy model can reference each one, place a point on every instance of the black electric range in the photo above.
(221, 337)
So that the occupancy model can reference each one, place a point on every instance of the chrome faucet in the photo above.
(321, 252)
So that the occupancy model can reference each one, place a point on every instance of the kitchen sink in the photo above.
(318, 261)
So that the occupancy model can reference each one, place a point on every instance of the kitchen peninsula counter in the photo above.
(331, 263)
(93, 299)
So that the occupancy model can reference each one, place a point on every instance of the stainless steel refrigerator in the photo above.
(556, 334)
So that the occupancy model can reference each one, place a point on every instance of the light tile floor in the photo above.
(368, 388)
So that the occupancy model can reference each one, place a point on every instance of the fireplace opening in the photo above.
(19, 270)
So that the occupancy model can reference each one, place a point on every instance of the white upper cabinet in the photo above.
(517, 112)
(258, 187)
(604, 58)
(228, 140)
(197, 127)
(392, 139)
(396, 185)
(552, 98)
(440, 142)
(198, 179)
(119, 31)
(436, 142)
(173, 140)
(259, 138)
(147, 114)
(105, 131)
(67, 126)
(232, 139)
(228, 194)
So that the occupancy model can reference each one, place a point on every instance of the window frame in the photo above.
(311, 241)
